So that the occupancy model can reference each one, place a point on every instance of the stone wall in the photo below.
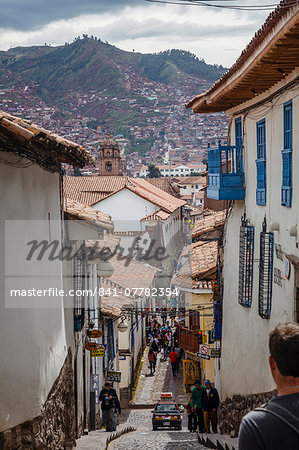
(55, 427)
(233, 409)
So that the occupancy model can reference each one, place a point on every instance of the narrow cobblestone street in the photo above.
(147, 393)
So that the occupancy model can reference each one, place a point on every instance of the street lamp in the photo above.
(122, 326)
(105, 269)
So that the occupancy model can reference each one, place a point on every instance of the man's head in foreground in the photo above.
(284, 356)
(197, 384)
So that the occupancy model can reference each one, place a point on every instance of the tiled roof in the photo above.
(75, 210)
(94, 186)
(113, 305)
(40, 146)
(190, 180)
(204, 259)
(208, 223)
(157, 215)
(154, 195)
(130, 273)
(165, 184)
(270, 67)
(88, 198)
(109, 242)
(185, 279)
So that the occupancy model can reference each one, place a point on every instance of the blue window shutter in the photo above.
(287, 155)
(261, 166)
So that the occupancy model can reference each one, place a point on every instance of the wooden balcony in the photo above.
(225, 173)
(188, 339)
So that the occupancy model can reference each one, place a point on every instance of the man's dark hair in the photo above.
(197, 382)
(107, 384)
(284, 348)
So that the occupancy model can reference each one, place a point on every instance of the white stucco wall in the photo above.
(244, 361)
(33, 344)
(126, 209)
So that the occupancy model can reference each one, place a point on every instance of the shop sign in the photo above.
(215, 353)
(202, 356)
(114, 376)
(92, 346)
(94, 333)
(98, 353)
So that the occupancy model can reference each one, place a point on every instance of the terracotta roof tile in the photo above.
(165, 184)
(78, 211)
(130, 273)
(86, 187)
(209, 223)
(40, 146)
(157, 215)
(204, 259)
(153, 194)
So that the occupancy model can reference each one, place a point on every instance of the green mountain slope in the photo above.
(93, 64)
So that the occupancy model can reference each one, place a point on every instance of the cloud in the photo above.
(133, 29)
(24, 15)
(218, 36)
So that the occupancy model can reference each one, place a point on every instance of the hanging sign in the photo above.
(201, 355)
(94, 333)
(204, 349)
(92, 346)
(98, 353)
(215, 353)
(114, 376)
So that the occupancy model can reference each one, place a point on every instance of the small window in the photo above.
(266, 272)
(108, 166)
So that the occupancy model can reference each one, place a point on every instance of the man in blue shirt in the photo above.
(276, 425)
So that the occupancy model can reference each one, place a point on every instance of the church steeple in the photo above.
(109, 158)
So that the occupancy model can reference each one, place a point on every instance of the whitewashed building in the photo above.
(256, 174)
(36, 376)
(175, 170)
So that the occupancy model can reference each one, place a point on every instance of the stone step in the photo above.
(218, 441)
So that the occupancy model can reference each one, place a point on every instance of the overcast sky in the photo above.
(216, 35)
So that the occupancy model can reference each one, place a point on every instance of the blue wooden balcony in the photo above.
(225, 173)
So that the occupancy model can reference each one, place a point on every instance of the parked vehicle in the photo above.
(167, 413)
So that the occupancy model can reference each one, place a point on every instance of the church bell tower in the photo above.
(109, 158)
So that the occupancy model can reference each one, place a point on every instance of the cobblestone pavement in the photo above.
(145, 438)
(149, 386)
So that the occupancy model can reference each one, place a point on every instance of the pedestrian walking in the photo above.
(210, 403)
(164, 315)
(154, 344)
(178, 352)
(191, 417)
(165, 346)
(116, 413)
(173, 359)
(152, 359)
(196, 403)
(108, 397)
(275, 426)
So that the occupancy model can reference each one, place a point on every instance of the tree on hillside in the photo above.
(153, 171)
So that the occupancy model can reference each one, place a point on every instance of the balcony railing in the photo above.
(188, 339)
(225, 173)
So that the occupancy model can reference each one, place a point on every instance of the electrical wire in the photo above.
(265, 7)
